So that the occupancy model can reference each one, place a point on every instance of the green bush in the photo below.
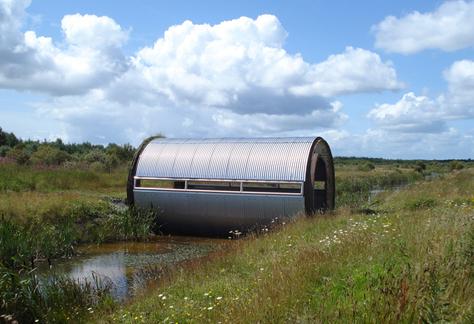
(18, 155)
(455, 165)
(4, 150)
(367, 166)
(420, 167)
(420, 203)
(8, 139)
(95, 156)
(49, 155)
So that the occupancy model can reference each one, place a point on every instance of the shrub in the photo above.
(4, 150)
(122, 153)
(420, 167)
(455, 165)
(49, 155)
(19, 155)
(420, 203)
(367, 166)
(8, 139)
(95, 155)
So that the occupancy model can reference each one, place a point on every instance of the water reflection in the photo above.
(129, 266)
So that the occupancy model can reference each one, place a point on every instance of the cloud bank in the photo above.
(450, 27)
(88, 57)
(421, 114)
(229, 79)
(236, 78)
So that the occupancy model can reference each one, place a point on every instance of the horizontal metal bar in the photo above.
(219, 180)
(219, 191)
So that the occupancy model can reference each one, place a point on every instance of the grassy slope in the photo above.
(413, 259)
(52, 193)
(44, 214)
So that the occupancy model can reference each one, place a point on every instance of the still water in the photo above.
(129, 266)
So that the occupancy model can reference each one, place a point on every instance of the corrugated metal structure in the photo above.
(217, 185)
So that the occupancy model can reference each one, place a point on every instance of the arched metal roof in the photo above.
(274, 159)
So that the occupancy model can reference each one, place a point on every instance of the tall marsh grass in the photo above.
(400, 264)
(353, 186)
(22, 245)
(26, 299)
(26, 178)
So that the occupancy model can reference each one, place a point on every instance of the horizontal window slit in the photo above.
(272, 187)
(158, 183)
(213, 185)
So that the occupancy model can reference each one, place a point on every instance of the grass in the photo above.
(44, 215)
(407, 262)
(405, 256)
(26, 178)
(353, 185)
(58, 300)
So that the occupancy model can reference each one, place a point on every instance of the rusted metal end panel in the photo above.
(216, 213)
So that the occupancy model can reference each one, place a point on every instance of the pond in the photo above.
(129, 267)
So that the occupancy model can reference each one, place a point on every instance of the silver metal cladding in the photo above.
(215, 185)
(239, 159)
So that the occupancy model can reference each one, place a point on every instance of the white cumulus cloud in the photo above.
(422, 114)
(418, 114)
(353, 71)
(460, 94)
(89, 57)
(231, 78)
(450, 27)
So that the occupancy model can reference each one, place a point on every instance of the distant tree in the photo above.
(57, 152)
(4, 150)
(49, 155)
(420, 166)
(18, 154)
(58, 143)
(8, 139)
(455, 165)
(30, 146)
(95, 155)
(122, 152)
(366, 166)
(111, 162)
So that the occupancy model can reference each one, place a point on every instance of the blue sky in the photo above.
(382, 79)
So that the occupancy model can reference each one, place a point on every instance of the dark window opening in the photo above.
(159, 183)
(217, 185)
(271, 187)
(319, 185)
(320, 179)
(214, 185)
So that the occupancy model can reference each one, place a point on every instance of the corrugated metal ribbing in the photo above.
(278, 159)
(255, 161)
(165, 162)
(238, 161)
(220, 159)
(149, 158)
(202, 158)
(184, 160)
(295, 165)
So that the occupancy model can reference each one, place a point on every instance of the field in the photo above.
(405, 254)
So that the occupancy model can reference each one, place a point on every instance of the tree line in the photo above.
(57, 153)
